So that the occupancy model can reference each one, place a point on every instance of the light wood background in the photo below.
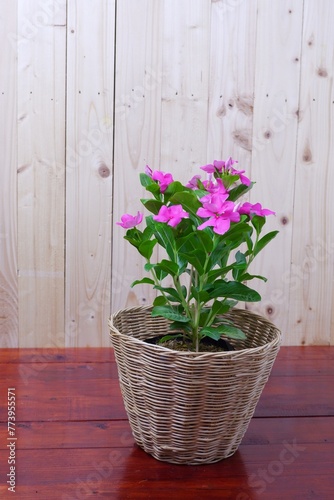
(93, 90)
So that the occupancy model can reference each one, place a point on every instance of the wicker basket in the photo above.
(187, 407)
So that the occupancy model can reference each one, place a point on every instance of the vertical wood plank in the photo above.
(90, 81)
(277, 80)
(312, 273)
(137, 133)
(185, 87)
(8, 167)
(186, 62)
(231, 81)
(41, 134)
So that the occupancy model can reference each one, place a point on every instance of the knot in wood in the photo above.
(104, 171)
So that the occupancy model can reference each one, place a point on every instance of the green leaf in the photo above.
(258, 222)
(196, 240)
(169, 313)
(234, 290)
(159, 301)
(148, 233)
(216, 273)
(239, 266)
(264, 241)
(148, 267)
(169, 267)
(228, 179)
(171, 292)
(220, 307)
(165, 236)
(196, 259)
(232, 332)
(240, 258)
(172, 188)
(216, 332)
(210, 331)
(238, 191)
(146, 248)
(249, 243)
(194, 248)
(219, 255)
(177, 325)
(160, 274)
(146, 180)
(247, 277)
(147, 281)
(205, 240)
(237, 232)
(169, 337)
(154, 188)
(188, 200)
(200, 296)
(134, 236)
(152, 205)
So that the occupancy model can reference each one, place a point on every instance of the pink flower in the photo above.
(256, 209)
(163, 179)
(220, 213)
(210, 169)
(129, 221)
(221, 167)
(243, 178)
(215, 188)
(228, 164)
(229, 169)
(172, 215)
(217, 166)
(193, 183)
(148, 171)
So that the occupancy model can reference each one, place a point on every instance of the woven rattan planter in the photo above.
(186, 407)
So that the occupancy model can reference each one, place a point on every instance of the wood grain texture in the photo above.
(277, 81)
(9, 331)
(194, 81)
(186, 62)
(81, 446)
(137, 134)
(90, 82)
(231, 81)
(41, 142)
(311, 305)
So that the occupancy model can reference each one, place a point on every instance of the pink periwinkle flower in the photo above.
(148, 171)
(209, 169)
(217, 166)
(128, 221)
(256, 209)
(230, 169)
(193, 183)
(171, 215)
(221, 167)
(220, 213)
(215, 187)
(163, 179)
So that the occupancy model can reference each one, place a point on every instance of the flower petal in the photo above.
(222, 225)
(128, 221)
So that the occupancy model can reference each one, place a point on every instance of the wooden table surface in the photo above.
(72, 439)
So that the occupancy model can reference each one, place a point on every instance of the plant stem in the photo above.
(156, 281)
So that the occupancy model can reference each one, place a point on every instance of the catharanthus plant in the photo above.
(210, 238)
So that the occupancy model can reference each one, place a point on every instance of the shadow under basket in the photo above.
(187, 407)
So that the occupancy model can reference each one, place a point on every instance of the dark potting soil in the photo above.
(180, 344)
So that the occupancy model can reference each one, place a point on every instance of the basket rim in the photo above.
(191, 354)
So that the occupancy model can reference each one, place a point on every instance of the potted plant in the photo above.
(192, 366)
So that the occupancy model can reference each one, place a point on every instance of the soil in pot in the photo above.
(180, 344)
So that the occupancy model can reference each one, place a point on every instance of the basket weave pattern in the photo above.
(187, 407)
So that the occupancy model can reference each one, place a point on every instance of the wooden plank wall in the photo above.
(93, 90)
